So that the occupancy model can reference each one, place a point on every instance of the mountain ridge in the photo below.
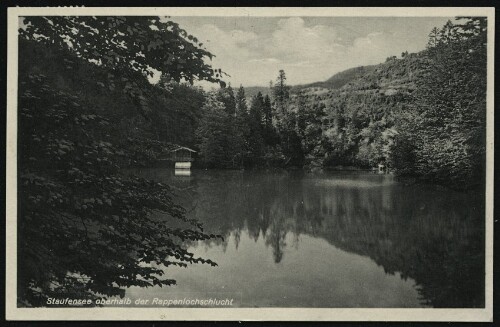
(336, 81)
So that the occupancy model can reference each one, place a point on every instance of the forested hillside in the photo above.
(335, 82)
(422, 114)
(358, 123)
(338, 80)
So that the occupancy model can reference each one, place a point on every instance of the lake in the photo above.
(327, 240)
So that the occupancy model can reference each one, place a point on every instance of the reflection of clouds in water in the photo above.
(316, 275)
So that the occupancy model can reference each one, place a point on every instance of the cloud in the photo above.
(265, 60)
(225, 44)
(240, 37)
(237, 53)
(307, 52)
(296, 42)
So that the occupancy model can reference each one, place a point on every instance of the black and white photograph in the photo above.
(250, 163)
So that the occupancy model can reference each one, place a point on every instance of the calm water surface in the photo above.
(333, 239)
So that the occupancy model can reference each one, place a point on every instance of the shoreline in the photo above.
(405, 180)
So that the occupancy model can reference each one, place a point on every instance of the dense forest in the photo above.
(87, 110)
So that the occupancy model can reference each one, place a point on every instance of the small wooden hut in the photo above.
(182, 156)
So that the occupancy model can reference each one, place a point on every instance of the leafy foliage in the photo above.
(176, 113)
(125, 43)
(448, 128)
(82, 222)
(219, 141)
(85, 227)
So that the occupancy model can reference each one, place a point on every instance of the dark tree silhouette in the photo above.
(85, 228)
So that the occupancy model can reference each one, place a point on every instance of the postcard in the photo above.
(298, 164)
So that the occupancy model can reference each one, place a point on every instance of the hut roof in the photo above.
(175, 149)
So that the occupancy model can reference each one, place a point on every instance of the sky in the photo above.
(309, 49)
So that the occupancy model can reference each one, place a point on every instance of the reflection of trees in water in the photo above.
(277, 231)
(432, 237)
(435, 237)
